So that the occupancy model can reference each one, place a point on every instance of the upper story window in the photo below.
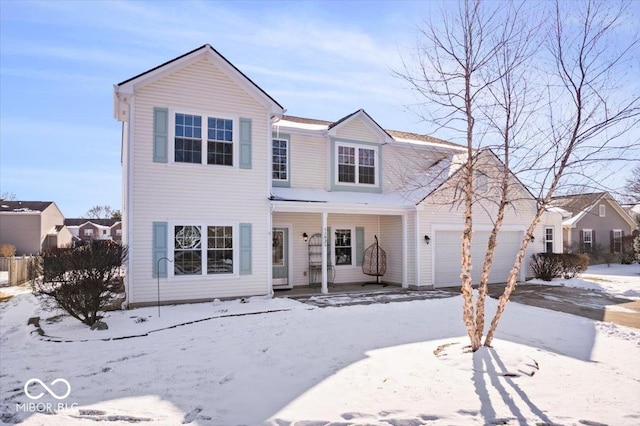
(548, 239)
(280, 159)
(119, 232)
(189, 143)
(601, 210)
(356, 165)
(188, 139)
(88, 232)
(219, 141)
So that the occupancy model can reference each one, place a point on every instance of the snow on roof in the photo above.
(414, 191)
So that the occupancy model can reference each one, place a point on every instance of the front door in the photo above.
(280, 259)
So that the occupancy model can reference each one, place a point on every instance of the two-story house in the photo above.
(95, 229)
(226, 196)
(32, 226)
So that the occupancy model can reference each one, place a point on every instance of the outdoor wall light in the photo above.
(427, 239)
(305, 237)
(533, 239)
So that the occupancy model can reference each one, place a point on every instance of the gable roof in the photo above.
(363, 114)
(82, 221)
(24, 206)
(127, 85)
(577, 203)
(580, 204)
(398, 136)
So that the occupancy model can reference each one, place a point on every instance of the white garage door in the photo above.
(447, 256)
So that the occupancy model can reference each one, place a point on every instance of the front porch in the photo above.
(323, 244)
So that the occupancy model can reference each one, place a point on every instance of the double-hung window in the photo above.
(188, 133)
(219, 141)
(356, 165)
(617, 241)
(343, 247)
(587, 240)
(198, 254)
(548, 239)
(280, 159)
(192, 147)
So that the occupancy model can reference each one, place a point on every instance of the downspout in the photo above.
(417, 256)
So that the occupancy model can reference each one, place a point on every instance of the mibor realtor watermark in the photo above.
(35, 389)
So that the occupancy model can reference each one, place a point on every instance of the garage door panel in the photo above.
(448, 257)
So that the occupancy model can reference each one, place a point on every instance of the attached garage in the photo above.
(447, 246)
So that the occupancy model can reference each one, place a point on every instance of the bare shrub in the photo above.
(546, 266)
(7, 250)
(81, 281)
(574, 264)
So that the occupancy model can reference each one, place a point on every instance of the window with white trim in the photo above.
(88, 232)
(587, 240)
(194, 252)
(601, 210)
(548, 239)
(343, 247)
(617, 240)
(119, 232)
(191, 145)
(356, 165)
(280, 159)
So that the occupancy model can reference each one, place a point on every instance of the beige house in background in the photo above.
(32, 226)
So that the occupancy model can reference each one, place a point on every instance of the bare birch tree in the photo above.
(481, 65)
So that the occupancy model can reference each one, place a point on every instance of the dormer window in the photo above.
(356, 165)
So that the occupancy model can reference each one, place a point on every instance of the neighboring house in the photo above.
(225, 196)
(593, 221)
(95, 229)
(33, 226)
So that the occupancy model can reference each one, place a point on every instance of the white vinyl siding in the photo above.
(159, 192)
(358, 130)
(310, 223)
(308, 161)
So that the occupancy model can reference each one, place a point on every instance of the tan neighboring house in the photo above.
(33, 226)
(95, 229)
(593, 220)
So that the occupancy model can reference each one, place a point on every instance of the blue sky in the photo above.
(59, 61)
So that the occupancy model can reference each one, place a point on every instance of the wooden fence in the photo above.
(15, 269)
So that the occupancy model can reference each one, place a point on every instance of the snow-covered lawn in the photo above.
(617, 280)
(398, 363)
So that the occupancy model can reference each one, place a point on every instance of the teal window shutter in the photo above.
(245, 248)
(245, 143)
(160, 135)
(160, 247)
(359, 245)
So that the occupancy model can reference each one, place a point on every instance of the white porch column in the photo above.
(325, 287)
(405, 283)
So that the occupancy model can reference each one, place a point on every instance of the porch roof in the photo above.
(319, 200)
